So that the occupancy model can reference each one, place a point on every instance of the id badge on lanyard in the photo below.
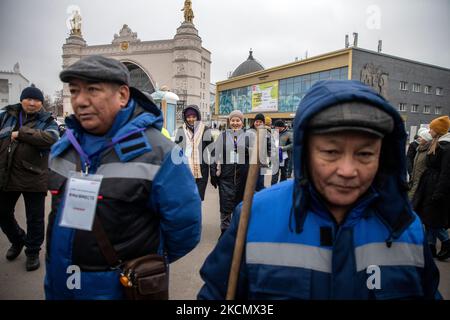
(188, 152)
(80, 201)
(234, 157)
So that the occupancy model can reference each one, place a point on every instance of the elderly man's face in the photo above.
(343, 165)
(96, 104)
(31, 105)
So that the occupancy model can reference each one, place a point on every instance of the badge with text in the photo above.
(188, 152)
(234, 157)
(80, 200)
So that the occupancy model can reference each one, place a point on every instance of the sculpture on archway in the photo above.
(188, 12)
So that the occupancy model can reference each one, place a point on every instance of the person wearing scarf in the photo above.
(231, 166)
(194, 137)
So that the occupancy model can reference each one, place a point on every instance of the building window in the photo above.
(403, 85)
(438, 110)
(439, 91)
(416, 87)
(402, 107)
(414, 108)
(426, 109)
(427, 90)
(290, 92)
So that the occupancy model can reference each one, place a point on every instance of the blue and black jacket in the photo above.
(148, 202)
(294, 248)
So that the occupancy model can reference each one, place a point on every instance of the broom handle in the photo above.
(250, 185)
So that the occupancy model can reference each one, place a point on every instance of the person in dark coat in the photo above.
(27, 132)
(259, 123)
(285, 152)
(194, 138)
(231, 165)
(432, 196)
(411, 154)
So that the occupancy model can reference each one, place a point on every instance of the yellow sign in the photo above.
(265, 97)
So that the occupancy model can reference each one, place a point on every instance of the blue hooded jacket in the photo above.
(295, 250)
(173, 197)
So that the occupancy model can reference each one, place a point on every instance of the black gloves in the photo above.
(214, 181)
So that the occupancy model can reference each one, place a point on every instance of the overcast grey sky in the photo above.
(33, 32)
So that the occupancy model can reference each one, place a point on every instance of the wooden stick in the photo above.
(252, 178)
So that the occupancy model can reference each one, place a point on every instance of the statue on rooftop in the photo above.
(188, 12)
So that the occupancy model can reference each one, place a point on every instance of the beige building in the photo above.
(180, 65)
(11, 85)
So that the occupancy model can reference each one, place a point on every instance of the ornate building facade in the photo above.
(180, 64)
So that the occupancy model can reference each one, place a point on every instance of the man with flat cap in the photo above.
(343, 228)
(27, 132)
(114, 185)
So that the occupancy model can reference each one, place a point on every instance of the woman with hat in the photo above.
(194, 137)
(432, 195)
(231, 166)
(418, 164)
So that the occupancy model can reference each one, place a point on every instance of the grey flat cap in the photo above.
(353, 116)
(97, 69)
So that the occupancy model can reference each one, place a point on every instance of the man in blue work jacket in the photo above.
(343, 228)
(145, 202)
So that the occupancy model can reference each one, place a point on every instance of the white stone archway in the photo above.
(140, 77)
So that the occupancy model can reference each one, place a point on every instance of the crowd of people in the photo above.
(315, 236)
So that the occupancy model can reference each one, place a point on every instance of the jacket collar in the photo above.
(358, 211)
(14, 110)
(140, 112)
(445, 137)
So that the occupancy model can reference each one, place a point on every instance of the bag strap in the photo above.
(103, 242)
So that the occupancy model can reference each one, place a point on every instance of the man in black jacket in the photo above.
(27, 132)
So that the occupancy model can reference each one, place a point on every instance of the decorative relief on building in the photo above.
(181, 68)
(125, 35)
(124, 45)
(375, 77)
